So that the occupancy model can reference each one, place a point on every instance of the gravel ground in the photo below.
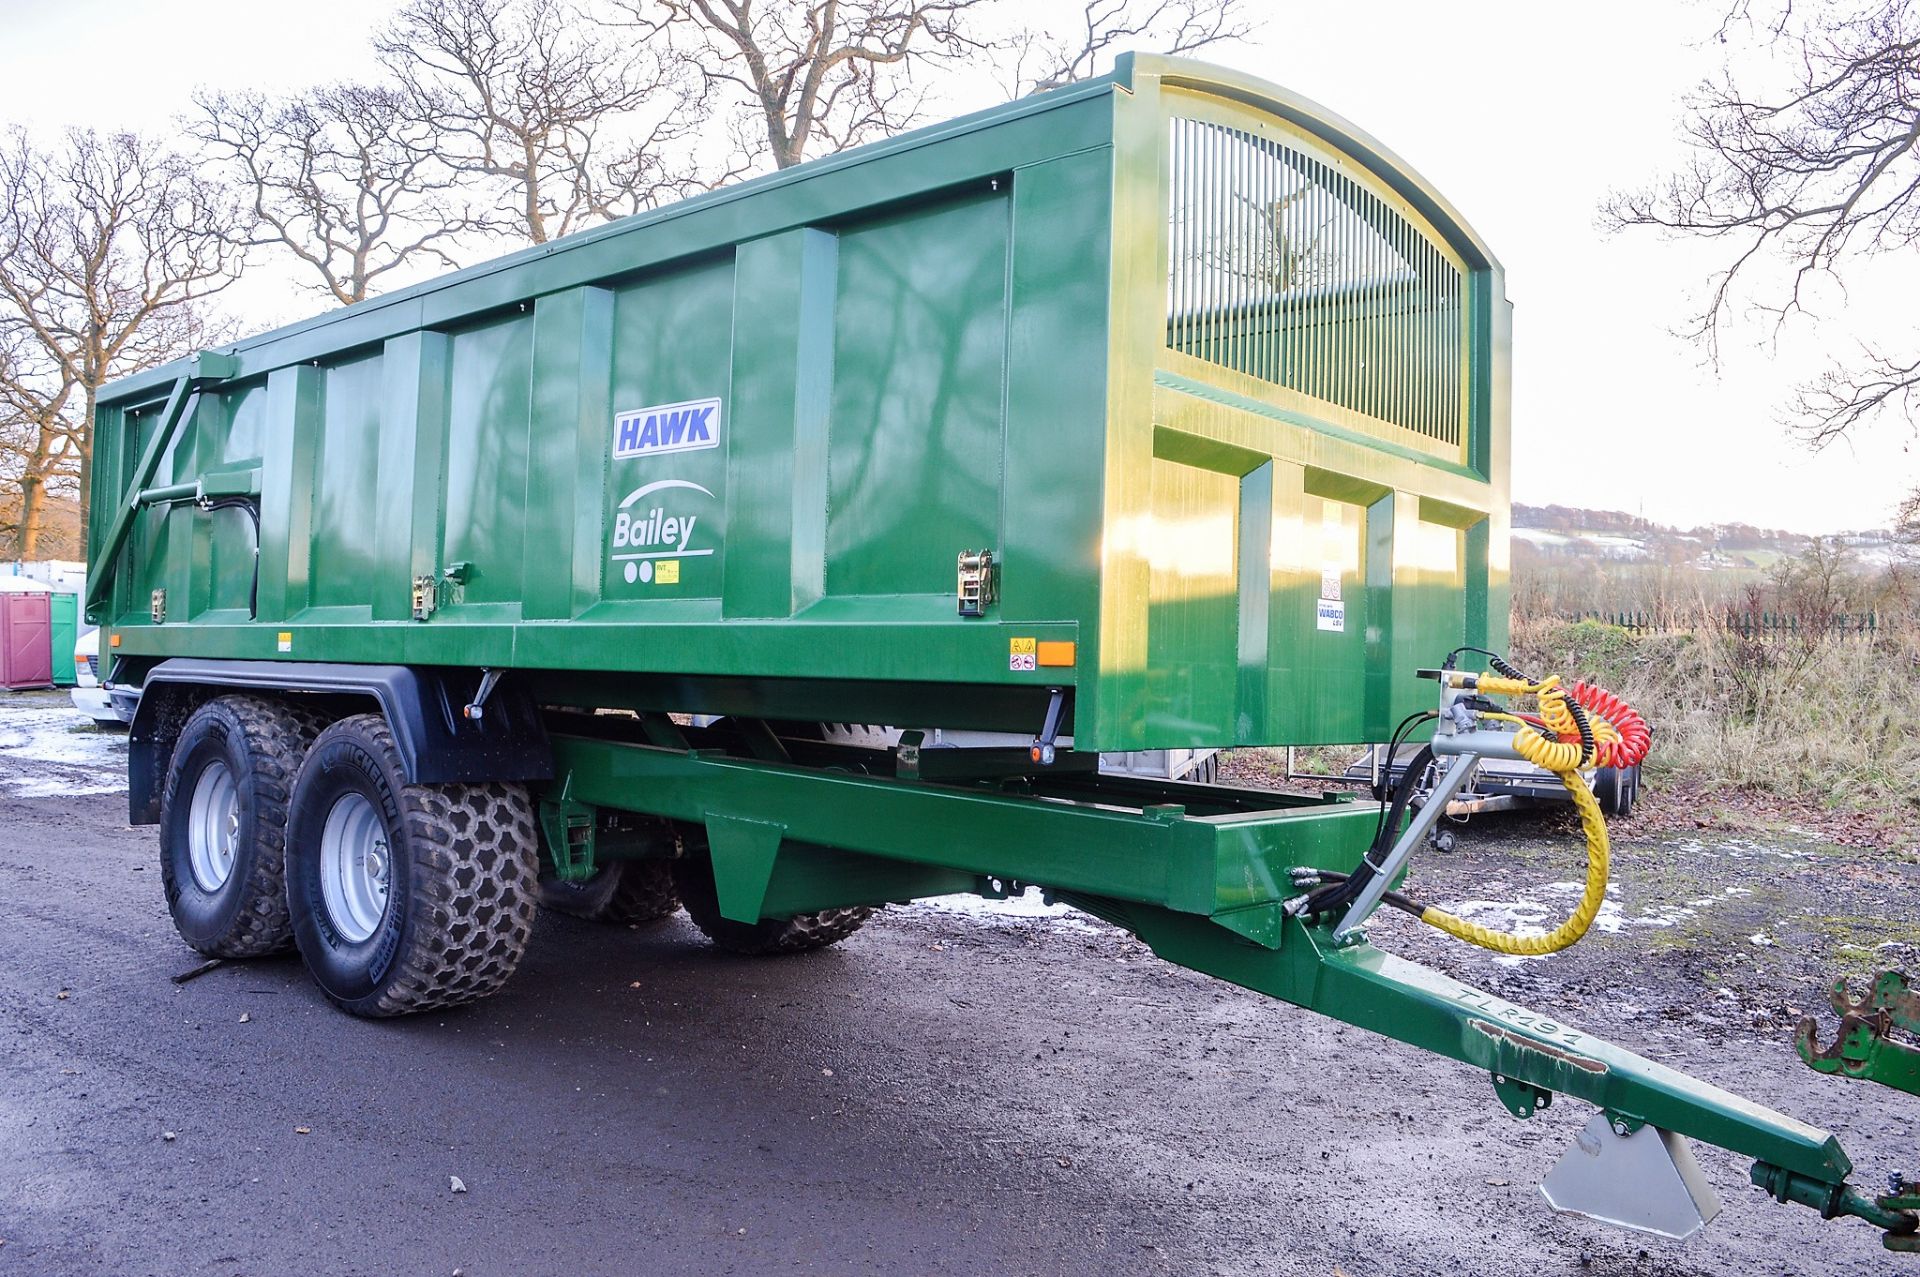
(955, 1090)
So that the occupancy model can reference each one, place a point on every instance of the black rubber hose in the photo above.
(1397, 899)
(1505, 668)
(252, 508)
(1584, 726)
(1338, 895)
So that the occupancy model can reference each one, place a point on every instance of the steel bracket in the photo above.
(744, 852)
(569, 829)
(1523, 1099)
(1624, 1124)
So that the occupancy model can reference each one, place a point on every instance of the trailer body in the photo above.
(1218, 382)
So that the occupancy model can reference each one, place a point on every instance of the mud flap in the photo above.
(1634, 1176)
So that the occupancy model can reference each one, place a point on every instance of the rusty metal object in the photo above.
(1903, 1194)
(1863, 1047)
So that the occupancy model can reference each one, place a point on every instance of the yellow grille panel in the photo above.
(1285, 266)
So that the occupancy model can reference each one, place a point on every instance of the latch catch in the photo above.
(979, 582)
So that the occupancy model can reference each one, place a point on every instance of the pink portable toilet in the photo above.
(26, 639)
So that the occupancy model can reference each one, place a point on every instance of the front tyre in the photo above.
(403, 897)
(223, 824)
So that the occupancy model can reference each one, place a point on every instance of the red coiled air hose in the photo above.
(1635, 736)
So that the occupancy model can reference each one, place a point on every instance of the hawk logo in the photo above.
(673, 427)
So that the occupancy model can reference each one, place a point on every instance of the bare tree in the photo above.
(816, 74)
(1045, 60)
(567, 126)
(343, 177)
(1820, 176)
(33, 436)
(108, 247)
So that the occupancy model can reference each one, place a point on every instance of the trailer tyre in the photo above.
(405, 897)
(1616, 788)
(223, 823)
(799, 934)
(622, 892)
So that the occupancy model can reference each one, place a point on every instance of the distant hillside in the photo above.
(1553, 532)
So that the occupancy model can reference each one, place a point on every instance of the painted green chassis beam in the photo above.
(1202, 891)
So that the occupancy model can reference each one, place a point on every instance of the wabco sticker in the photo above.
(652, 533)
(672, 427)
(1332, 616)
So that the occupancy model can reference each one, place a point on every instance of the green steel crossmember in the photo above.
(1231, 867)
(1362, 986)
(582, 659)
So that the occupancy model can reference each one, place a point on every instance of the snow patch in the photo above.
(43, 756)
(1738, 849)
(1027, 907)
(1527, 917)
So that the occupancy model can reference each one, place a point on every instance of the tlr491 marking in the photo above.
(1519, 1017)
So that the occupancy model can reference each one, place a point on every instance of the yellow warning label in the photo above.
(1022, 646)
(285, 640)
(666, 572)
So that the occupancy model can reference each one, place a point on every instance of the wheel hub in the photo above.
(355, 868)
(213, 827)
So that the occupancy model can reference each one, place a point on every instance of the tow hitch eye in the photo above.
(1863, 1047)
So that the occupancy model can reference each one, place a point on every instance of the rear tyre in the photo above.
(405, 898)
(624, 892)
(798, 934)
(223, 823)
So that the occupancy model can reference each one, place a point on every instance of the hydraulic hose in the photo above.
(1578, 923)
(1569, 741)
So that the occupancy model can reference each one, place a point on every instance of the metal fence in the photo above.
(1751, 625)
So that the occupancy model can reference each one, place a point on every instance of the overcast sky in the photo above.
(1524, 114)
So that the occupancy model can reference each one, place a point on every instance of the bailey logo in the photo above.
(652, 533)
(672, 427)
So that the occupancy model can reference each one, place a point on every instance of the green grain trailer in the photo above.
(1164, 410)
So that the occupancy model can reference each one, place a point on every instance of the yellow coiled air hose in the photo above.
(1564, 759)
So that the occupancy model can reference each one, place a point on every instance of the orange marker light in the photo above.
(1056, 653)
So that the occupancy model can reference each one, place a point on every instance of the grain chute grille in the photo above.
(1287, 268)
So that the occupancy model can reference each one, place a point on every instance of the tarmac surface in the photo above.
(954, 1090)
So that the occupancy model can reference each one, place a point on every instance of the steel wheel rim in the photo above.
(356, 868)
(213, 827)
